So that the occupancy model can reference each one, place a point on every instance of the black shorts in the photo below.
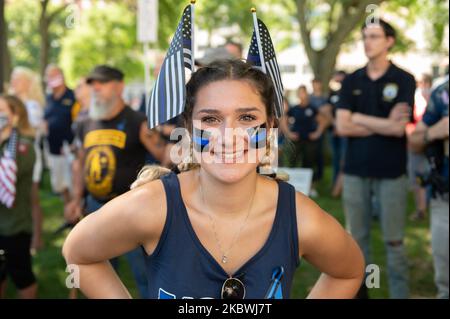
(16, 260)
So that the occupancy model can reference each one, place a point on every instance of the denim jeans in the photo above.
(439, 244)
(135, 258)
(391, 194)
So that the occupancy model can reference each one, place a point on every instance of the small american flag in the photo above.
(262, 55)
(8, 171)
(169, 91)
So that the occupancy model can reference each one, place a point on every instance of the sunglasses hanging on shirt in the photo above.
(233, 288)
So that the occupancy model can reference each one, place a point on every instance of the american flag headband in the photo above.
(167, 99)
(257, 138)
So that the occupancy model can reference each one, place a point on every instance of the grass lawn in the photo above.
(49, 265)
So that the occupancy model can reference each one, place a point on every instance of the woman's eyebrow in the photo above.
(209, 111)
(248, 109)
(239, 110)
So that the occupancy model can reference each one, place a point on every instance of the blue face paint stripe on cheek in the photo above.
(201, 140)
(257, 136)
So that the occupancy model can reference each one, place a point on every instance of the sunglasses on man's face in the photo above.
(233, 288)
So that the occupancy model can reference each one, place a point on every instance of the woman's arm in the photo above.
(326, 245)
(132, 219)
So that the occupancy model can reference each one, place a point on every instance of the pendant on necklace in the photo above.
(224, 259)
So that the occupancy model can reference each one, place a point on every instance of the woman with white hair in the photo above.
(26, 85)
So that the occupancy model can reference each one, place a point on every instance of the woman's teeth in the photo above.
(229, 156)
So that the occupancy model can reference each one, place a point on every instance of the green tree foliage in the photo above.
(22, 18)
(434, 13)
(338, 23)
(334, 21)
(236, 14)
(107, 34)
(169, 16)
(102, 35)
(24, 39)
(4, 57)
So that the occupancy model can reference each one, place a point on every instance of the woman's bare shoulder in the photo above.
(145, 206)
(148, 193)
(134, 218)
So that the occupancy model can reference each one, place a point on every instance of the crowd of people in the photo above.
(384, 130)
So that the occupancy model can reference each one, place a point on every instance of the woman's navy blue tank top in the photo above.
(182, 268)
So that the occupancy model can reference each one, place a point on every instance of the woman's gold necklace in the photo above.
(236, 236)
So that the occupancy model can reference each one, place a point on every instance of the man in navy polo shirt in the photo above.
(373, 109)
(59, 114)
(304, 125)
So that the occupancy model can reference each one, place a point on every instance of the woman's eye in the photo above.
(248, 118)
(209, 120)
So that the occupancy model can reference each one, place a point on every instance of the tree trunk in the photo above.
(323, 62)
(4, 71)
(45, 47)
(45, 21)
(45, 41)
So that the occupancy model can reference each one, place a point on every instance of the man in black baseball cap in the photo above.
(105, 73)
(112, 144)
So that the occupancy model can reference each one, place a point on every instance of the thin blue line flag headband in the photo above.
(262, 55)
(167, 99)
(169, 91)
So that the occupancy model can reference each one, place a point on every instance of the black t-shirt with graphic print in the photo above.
(113, 153)
(376, 156)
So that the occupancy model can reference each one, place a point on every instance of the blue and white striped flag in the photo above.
(169, 91)
(262, 55)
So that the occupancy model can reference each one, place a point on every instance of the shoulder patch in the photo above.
(67, 102)
(390, 91)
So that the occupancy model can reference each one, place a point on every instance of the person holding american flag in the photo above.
(20, 223)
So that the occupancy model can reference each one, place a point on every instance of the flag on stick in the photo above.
(169, 91)
(262, 55)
